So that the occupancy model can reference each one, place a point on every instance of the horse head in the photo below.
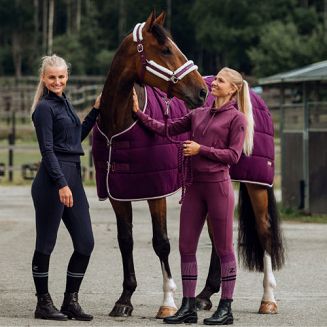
(160, 63)
(148, 56)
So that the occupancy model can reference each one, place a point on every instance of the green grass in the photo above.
(28, 152)
(293, 215)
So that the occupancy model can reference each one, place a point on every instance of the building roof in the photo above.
(314, 72)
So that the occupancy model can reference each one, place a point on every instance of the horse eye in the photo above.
(166, 51)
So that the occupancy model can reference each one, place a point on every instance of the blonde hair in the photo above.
(47, 61)
(244, 104)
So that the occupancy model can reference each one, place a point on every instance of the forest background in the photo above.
(257, 37)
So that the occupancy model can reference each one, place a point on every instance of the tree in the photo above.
(16, 19)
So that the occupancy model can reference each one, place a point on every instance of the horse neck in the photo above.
(117, 100)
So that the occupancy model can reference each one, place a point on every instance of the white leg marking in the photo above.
(269, 281)
(169, 288)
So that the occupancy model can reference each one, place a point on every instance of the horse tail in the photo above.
(250, 249)
(277, 252)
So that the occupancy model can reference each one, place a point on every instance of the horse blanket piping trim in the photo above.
(109, 142)
(251, 182)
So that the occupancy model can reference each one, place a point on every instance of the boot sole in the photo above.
(40, 316)
(73, 317)
(228, 321)
(186, 321)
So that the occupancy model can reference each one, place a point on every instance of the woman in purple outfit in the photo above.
(218, 136)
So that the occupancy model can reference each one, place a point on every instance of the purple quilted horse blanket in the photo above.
(136, 164)
(259, 167)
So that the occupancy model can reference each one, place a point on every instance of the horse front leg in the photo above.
(161, 247)
(123, 211)
(212, 284)
(259, 200)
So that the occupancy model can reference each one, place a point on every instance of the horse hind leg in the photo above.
(268, 303)
(259, 200)
(123, 210)
(161, 247)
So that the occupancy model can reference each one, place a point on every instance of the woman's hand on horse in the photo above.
(190, 148)
(66, 196)
(136, 107)
(97, 102)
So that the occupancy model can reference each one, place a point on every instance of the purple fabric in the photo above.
(189, 272)
(228, 276)
(219, 132)
(142, 165)
(259, 167)
(215, 200)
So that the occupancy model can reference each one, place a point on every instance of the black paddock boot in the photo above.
(223, 314)
(185, 314)
(71, 308)
(46, 310)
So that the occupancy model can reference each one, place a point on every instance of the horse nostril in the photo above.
(203, 94)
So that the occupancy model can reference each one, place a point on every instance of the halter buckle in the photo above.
(174, 79)
(140, 48)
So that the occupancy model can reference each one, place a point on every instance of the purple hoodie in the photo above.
(220, 133)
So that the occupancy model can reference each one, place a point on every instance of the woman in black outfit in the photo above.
(57, 189)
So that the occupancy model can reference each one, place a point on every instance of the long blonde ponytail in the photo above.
(47, 61)
(244, 105)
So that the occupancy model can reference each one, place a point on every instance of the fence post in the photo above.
(11, 142)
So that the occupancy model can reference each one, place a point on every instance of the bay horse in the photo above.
(260, 241)
(146, 56)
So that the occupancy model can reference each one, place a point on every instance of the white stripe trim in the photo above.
(154, 72)
(251, 182)
(162, 68)
(138, 27)
(188, 71)
(75, 275)
(189, 62)
(40, 274)
(134, 32)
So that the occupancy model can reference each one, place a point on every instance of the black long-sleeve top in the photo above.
(60, 133)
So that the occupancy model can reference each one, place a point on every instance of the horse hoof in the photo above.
(165, 311)
(203, 304)
(121, 310)
(268, 307)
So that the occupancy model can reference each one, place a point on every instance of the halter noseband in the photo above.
(172, 77)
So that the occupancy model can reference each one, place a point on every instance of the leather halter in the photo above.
(172, 77)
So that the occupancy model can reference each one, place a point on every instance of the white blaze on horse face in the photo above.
(269, 281)
(169, 288)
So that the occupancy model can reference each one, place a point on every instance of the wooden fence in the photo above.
(19, 158)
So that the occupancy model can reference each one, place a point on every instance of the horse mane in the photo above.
(160, 33)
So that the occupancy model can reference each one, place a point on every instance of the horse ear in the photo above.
(160, 19)
(150, 20)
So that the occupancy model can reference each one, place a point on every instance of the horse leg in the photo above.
(212, 284)
(123, 211)
(259, 200)
(161, 247)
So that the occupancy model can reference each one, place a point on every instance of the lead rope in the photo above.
(184, 166)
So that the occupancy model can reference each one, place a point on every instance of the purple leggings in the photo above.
(215, 199)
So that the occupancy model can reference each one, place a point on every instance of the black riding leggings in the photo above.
(49, 211)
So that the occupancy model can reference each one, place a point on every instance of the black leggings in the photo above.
(49, 211)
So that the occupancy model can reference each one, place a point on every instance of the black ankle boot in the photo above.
(46, 310)
(71, 308)
(223, 314)
(186, 313)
